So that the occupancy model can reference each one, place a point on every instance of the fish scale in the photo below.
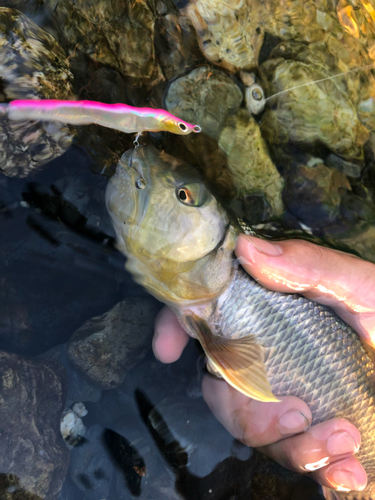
(309, 353)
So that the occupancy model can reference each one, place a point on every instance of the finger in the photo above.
(170, 338)
(343, 475)
(319, 446)
(330, 277)
(252, 422)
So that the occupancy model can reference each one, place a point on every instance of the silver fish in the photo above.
(179, 243)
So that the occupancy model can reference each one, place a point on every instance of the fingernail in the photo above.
(266, 247)
(292, 422)
(341, 443)
(343, 480)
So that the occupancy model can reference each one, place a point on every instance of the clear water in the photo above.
(60, 267)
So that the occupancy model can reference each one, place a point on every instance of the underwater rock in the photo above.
(363, 242)
(249, 161)
(232, 33)
(206, 96)
(312, 193)
(255, 207)
(10, 489)
(346, 167)
(175, 45)
(357, 20)
(32, 66)
(31, 447)
(321, 113)
(119, 33)
(71, 426)
(227, 34)
(106, 347)
(323, 199)
(79, 387)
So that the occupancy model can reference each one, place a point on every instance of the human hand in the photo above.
(282, 430)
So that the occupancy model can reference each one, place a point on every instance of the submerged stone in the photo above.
(248, 160)
(228, 35)
(206, 96)
(106, 347)
(31, 447)
(323, 199)
(309, 112)
(119, 34)
(32, 66)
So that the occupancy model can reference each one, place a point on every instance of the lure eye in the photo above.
(140, 183)
(193, 195)
(197, 129)
(182, 127)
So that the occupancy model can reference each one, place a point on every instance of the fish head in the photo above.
(166, 222)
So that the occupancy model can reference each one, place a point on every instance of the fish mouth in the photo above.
(127, 193)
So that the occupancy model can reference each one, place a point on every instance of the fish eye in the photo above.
(182, 126)
(140, 183)
(193, 195)
(183, 195)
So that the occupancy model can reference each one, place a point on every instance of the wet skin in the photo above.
(282, 430)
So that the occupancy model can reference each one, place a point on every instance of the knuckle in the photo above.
(248, 435)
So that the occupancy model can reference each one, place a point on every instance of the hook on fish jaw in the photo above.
(136, 141)
(136, 165)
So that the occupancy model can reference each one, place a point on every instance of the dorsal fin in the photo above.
(239, 361)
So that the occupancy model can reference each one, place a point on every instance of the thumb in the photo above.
(342, 281)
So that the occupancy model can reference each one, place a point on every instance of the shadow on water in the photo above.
(231, 479)
(126, 459)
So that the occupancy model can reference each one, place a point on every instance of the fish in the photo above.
(179, 242)
(115, 116)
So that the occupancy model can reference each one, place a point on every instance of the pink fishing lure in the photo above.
(115, 116)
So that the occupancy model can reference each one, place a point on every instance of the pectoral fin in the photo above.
(239, 361)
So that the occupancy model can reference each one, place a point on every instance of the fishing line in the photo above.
(321, 80)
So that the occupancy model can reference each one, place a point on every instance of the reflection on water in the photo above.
(74, 327)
